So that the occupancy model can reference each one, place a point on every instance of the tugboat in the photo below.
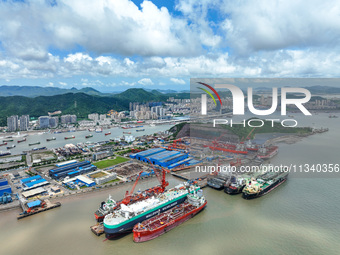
(264, 184)
(236, 186)
(160, 224)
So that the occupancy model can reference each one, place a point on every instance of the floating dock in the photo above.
(48, 206)
(97, 229)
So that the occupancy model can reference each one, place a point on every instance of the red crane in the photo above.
(128, 195)
(161, 179)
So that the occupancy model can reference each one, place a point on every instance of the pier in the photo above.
(46, 205)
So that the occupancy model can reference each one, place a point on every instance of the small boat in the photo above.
(23, 140)
(140, 130)
(89, 136)
(126, 132)
(10, 147)
(30, 144)
(69, 137)
(51, 139)
(99, 130)
(2, 144)
(109, 133)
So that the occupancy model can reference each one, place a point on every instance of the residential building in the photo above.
(12, 123)
(24, 122)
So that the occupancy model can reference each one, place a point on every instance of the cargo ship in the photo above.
(237, 149)
(267, 152)
(139, 130)
(263, 184)
(121, 221)
(164, 222)
(109, 205)
(3, 144)
(30, 144)
(89, 136)
(11, 147)
(23, 140)
(7, 140)
(109, 133)
(51, 139)
(5, 153)
(69, 137)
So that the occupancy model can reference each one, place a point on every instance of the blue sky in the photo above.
(113, 45)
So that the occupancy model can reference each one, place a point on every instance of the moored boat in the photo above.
(30, 144)
(263, 184)
(164, 222)
(267, 152)
(69, 137)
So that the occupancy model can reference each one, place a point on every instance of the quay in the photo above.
(38, 207)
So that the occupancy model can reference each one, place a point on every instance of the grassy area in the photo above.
(110, 162)
(115, 180)
(98, 175)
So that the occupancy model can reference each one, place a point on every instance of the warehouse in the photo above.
(142, 156)
(3, 182)
(33, 182)
(160, 156)
(5, 189)
(33, 192)
(72, 170)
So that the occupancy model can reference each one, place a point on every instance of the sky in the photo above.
(113, 45)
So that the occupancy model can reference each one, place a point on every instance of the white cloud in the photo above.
(145, 81)
(178, 81)
(63, 83)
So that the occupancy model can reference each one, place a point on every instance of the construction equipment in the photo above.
(128, 195)
(161, 179)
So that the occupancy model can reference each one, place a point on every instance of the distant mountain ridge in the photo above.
(35, 91)
(78, 103)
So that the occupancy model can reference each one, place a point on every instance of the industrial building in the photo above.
(33, 192)
(4, 187)
(33, 182)
(161, 157)
(72, 170)
(80, 180)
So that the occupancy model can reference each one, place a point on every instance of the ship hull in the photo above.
(144, 236)
(215, 186)
(113, 233)
(234, 191)
(264, 191)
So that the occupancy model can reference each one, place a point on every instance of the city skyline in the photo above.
(162, 44)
